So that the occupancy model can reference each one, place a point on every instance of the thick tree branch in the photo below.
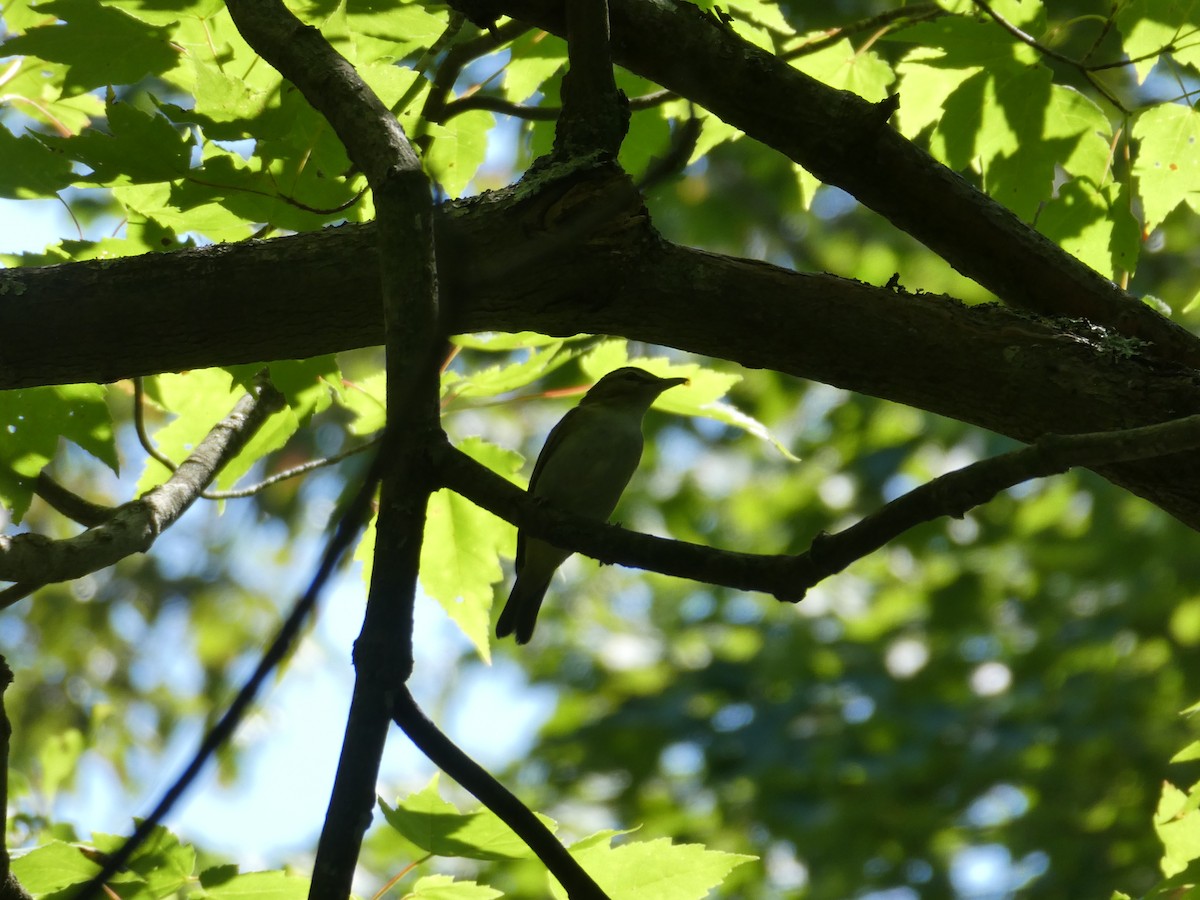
(1013, 373)
(843, 140)
(383, 655)
(35, 560)
(595, 114)
(789, 577)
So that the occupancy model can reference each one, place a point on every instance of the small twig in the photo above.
(1051, 53)
(70, 504)
(906, 15)
(139, 425)
(281, 645)
(292, 472)
(491, 793)
(537, 113)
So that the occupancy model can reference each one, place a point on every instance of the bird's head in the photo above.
(630, 385)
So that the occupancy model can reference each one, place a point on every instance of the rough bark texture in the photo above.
(540, 258)
(575, 254)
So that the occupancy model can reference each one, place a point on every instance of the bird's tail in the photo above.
(520, 612)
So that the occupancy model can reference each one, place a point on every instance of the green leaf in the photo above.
(839, 65)
(459, 149)
(443, 887)
(656, 868)
(460, 554)
(139, 148)
(491, 381)
(307, 384)
(31, 169)
(162, 862)
(535, 57)
(367, 399)
(153, 205)
(439, 827)
(198, 400)
(1095, 225)
(58, 758)
(88, 39)
(273, 885)
(1177, 822)
(499, 341)
(763, 12)
(34, 420)
(53, 867)
(1151, 27)
(1168, 160)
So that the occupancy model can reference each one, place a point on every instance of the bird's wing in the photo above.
(553, 439)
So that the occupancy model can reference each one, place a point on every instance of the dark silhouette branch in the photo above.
(845, 141)
(348, 528)
(906, 15)
(10, 888)
(595, 114)
(383, 653)
(492, 794)
(1007, 371)
(789, 577)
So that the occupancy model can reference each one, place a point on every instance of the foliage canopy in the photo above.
(988, 704)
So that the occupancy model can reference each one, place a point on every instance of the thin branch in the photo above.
(788, 578)
(956, 492)
(453, 27)
(10, 888)
(237, 493)
(537, 113)
(70, 504)
(456, 60)
(134, 526)
(905, 15)
(281, 645)
(675, 159)
(1051, 53)
(14, 593)
(293, 472)
(492, 794)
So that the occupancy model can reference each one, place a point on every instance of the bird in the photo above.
(587, 461)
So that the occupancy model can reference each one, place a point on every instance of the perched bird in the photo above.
(588, 460)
